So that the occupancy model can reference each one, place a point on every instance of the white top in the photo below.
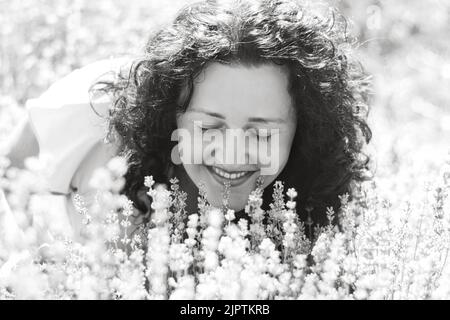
(71, 134)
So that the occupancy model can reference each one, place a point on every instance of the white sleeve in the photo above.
(66, 125)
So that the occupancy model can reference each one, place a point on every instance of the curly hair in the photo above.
(330, 92)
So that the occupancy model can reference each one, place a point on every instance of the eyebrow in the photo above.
(252, 119)
(266, 120)
(212, 114)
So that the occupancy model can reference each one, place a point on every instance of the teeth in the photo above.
(227, 175)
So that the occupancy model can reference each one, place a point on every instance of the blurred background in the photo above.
(404, 44)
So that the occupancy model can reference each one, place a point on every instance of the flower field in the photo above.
(395, 237)
(382, 251)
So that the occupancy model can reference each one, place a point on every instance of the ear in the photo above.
(187, 89)
(175, 156)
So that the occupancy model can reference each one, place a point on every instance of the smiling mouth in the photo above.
(234, 178)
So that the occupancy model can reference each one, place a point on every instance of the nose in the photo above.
(234, 151)
(240, 150)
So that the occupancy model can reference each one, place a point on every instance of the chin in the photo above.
(214, 181)
(239, 199)
(237, 202)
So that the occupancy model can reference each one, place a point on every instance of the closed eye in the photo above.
(212, 127)
(261, 133)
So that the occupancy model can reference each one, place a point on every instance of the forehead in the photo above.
(245, 90)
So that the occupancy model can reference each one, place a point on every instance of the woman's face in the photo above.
(239, 125)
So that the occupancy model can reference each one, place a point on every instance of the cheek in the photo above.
(280, 158)
(198, 175)
(285, 147)
(189, 146)
(193, 172)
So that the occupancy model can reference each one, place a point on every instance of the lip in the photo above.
(240, 176)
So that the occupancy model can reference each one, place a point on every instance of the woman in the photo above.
(251, 66)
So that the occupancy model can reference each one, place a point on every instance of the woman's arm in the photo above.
(22, 144)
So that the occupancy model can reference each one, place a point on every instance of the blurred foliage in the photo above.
(403, 44)
(45, 39)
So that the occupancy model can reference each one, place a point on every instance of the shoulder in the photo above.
(97, 157)
(68, 127)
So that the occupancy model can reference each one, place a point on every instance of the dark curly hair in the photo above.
(329, 90)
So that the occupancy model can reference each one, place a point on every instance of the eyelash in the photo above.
(210, 128)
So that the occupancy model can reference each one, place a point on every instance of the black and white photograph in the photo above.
(224, 150)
